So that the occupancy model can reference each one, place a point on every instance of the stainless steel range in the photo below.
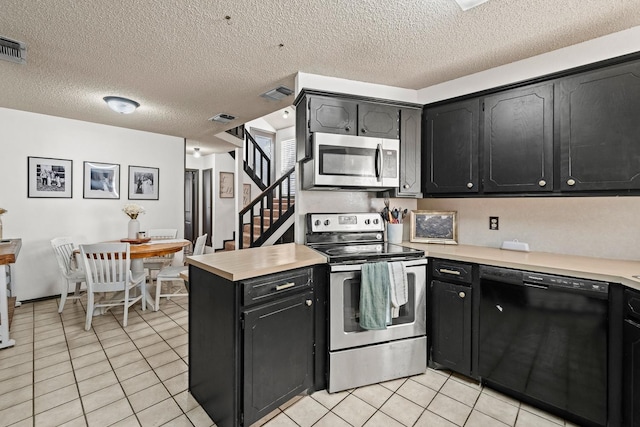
(360, 356)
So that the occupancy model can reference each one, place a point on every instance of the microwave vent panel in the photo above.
(12, 50)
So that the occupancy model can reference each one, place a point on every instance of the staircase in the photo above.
(249, 237)
(268, 217)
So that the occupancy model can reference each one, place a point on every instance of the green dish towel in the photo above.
(374, 295)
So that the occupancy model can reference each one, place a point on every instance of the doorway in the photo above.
(191, 204)
(207, 204)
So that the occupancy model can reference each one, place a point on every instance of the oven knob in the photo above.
(376, 220)
(367, 221)
(327, 222)
(317, 223)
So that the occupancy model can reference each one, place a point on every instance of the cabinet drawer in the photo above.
(265, 287)
(451, 270)
(632, 305)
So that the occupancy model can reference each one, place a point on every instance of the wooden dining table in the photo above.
(153, 248)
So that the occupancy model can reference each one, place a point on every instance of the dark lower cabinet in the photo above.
(277, 353)
(631, 360)
(451, 326)
(251, 343)
(597, 115)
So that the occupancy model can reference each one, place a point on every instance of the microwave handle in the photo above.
(378, 162)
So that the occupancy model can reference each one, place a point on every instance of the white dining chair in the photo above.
(72, 273)
(172, 274)
(155, 264)
(108, 271)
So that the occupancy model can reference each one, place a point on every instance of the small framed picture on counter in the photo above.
(434, 227)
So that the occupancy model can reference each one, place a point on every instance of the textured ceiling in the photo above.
(184, 62)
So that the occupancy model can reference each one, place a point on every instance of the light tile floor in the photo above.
(60, 374)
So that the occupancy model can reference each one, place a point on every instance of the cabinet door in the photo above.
(333, 115)
(278, 354)
(451, 326)
(631, 386)
(518, 140)
(410, 153)
(599, 129)
(376, 120)
(451, 156)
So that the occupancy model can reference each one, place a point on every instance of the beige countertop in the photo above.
(254, 262)
(609, 270)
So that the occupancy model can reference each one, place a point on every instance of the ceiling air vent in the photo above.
(222, 118)
(14, 51)
(278, 93)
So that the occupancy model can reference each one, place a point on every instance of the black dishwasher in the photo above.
(543, 339)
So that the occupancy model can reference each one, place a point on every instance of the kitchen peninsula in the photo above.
(253, 323)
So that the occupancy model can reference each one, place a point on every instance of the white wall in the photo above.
(38, 220)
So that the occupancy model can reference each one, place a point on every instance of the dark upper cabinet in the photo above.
(451, 155)
(518, 140)
(410, 154)
(346, 117)
(377, 120)
(599, 130)
(333, 115)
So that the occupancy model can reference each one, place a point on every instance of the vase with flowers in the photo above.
(2, 211)
(133, 210)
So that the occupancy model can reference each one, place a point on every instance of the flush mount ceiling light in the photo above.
(121, 105)
(196, 152)
(469, 4)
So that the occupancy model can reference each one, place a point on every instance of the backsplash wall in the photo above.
(604, 227)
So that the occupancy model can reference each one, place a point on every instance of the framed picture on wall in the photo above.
(143, 183)
(246, 194)
(226, 185)
(101, 180)
(434, 227)
(49, 177)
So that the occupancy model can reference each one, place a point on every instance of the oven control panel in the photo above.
(345, 222)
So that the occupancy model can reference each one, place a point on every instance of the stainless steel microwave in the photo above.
(352, 162)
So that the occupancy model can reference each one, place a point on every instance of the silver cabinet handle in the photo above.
(446, 270)
(571, 181)
(469, 184)
(462, 295)
(308, 302)
(542, 183)
(285, 286)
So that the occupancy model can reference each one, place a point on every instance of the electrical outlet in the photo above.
(494, 223)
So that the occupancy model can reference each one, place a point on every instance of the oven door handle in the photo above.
(358, 267)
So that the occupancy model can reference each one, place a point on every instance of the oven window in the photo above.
(347, 161)
(351, 304)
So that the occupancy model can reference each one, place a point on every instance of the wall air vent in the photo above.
(14, 51)
(278, 93)
(222, 118)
